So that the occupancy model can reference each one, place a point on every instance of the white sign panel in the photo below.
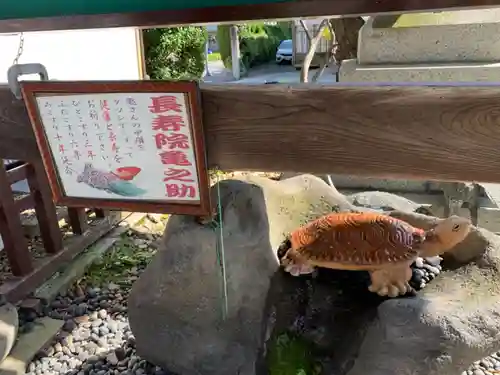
(118, 145)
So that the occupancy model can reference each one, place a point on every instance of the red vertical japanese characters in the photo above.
(173, 144)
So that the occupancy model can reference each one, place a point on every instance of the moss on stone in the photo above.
(290, 355)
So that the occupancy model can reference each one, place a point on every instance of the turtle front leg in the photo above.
(391, 281)
(295, 264)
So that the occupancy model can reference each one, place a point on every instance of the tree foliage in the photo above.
(258, 42)
(175, 53)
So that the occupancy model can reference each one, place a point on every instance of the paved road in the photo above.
(218, 73)
(266, 73)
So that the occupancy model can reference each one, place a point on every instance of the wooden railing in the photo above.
(28, 274)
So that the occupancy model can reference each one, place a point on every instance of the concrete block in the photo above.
(445, 37)
(371, 183)
(351, 71)
(28, 345)
(48, 291)
(9, 325)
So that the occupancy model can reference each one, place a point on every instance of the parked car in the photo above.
(284, 52)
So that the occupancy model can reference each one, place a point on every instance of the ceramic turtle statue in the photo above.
(383, 245)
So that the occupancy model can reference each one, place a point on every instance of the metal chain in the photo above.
(20, 49)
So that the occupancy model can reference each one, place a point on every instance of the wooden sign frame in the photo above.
(33, 89)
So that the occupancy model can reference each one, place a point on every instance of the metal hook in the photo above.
(18, 70)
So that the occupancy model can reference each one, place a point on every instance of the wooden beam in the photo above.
(441, 133)
(17, 140)
(271, 10)
(78, 220)
(25, 203)
(17, 173)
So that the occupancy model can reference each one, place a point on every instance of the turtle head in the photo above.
(445, 235)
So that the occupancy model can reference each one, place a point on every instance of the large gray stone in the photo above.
(387, 202)
(175, 306)
(451, 324)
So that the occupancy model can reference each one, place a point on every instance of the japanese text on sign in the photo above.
(172, 142)
(122, 146)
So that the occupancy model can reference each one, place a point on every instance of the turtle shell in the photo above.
(357, 239)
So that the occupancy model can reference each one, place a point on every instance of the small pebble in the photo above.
(432, 269)
(419, 262)
(434, 261)
(103, 314)
(69, 325)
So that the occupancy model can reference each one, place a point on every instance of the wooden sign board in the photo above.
(135, 146)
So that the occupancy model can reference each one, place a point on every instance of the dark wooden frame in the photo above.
(32, 89)
(287, 9)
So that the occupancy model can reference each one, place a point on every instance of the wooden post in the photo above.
(235, 51)
(11, 229)
(78, 220)
(44, 208)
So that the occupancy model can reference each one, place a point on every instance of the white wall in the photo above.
(99, 54)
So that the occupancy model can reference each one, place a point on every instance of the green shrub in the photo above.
(175, 52)
(258, 42)
(282, 31)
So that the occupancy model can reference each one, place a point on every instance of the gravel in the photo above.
(487, 366)
(96, 338)
(424, 270)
